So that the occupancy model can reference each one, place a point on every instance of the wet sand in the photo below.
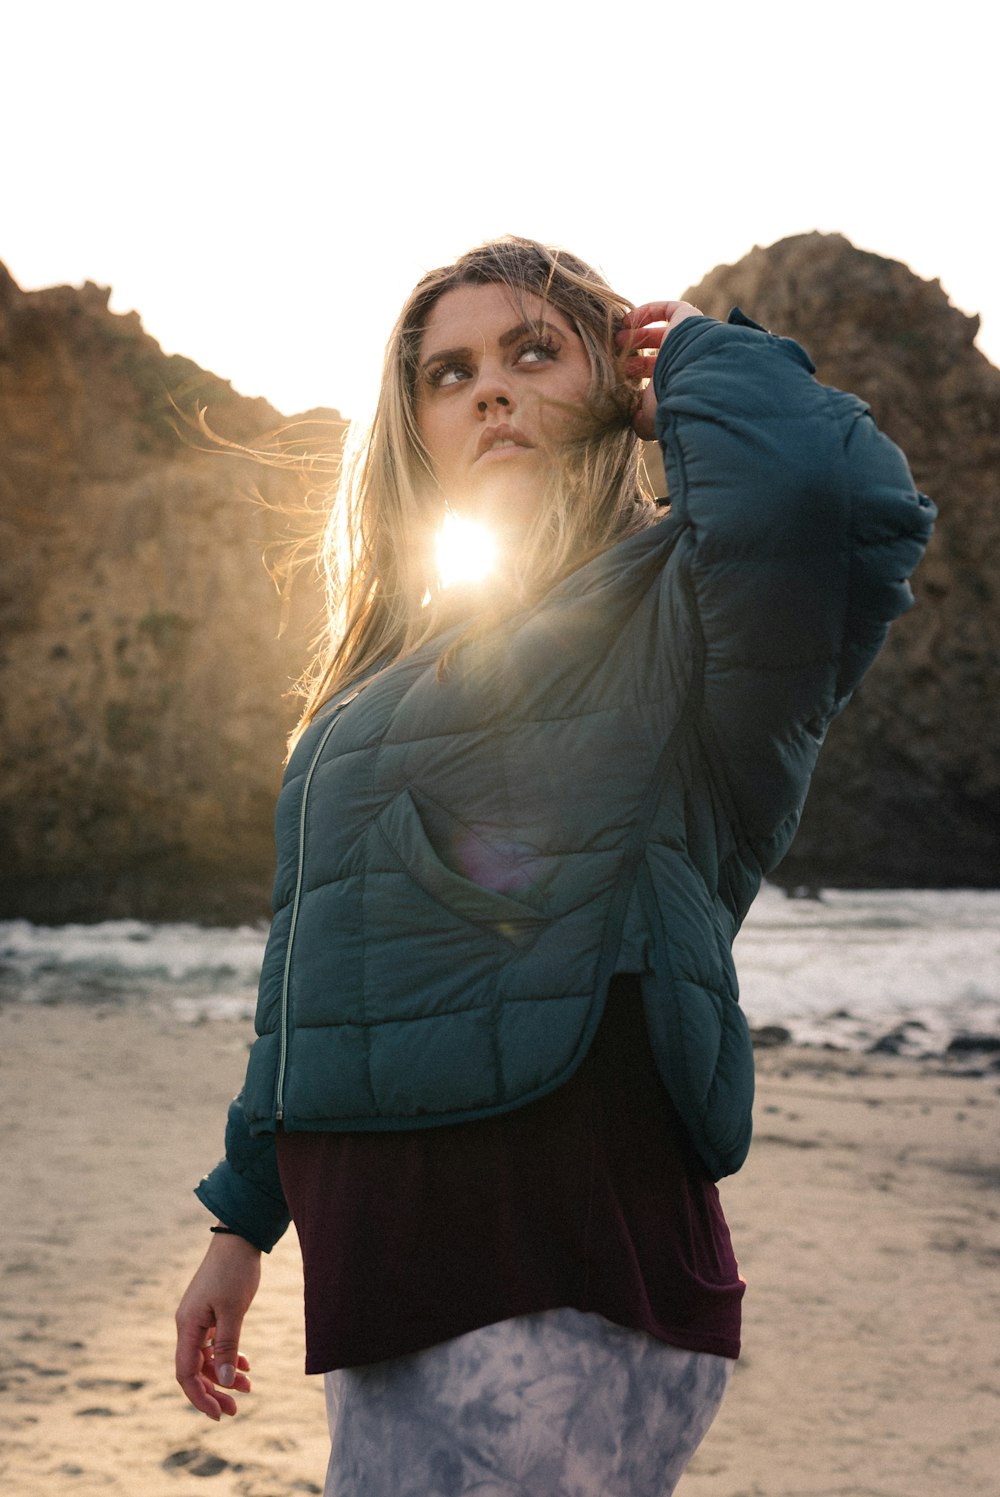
(867, 1222)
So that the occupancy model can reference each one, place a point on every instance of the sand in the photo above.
(866, 1223)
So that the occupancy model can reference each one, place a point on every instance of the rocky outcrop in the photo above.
(142, 670)
(908, 786)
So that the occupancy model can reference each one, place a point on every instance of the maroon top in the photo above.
(591, 1197)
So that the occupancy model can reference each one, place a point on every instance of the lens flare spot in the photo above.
(466, 552)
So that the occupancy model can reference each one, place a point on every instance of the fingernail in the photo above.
(227, 1375)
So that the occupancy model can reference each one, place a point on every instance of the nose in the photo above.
(492, 390)
(483, 404)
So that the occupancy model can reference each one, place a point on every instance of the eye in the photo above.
(439, 376)
(538, 351)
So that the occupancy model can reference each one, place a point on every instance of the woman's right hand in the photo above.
(643, 331)
(209, 1320)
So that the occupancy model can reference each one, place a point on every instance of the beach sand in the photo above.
(866, 1222)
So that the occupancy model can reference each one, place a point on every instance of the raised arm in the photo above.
(802, 525)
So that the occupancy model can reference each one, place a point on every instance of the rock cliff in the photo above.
(142, 674)
(908, 786)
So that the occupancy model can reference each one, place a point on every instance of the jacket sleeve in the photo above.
(244, 1189)
(800, 527)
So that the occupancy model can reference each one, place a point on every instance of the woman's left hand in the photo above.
(209, 1322)
(643, 331)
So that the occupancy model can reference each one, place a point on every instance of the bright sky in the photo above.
(265, 182)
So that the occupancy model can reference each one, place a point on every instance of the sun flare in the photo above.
(466, 551)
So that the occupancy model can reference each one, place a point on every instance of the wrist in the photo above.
(223, 1233)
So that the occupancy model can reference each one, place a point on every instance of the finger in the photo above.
(223, 1400)
(226, 1351)
(242, 1365)
(240, 1382)
(190, 1363)
(682, 311)
(214, 1384)
(200, 1389)
(193, 1335)
(631, 339)
(199, 1393)
(650, 311)
(670, 312)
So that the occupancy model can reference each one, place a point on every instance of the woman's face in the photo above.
(489, 371)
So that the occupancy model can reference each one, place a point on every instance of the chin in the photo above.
(506, 504)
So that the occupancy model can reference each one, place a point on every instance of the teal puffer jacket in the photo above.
(597, 787)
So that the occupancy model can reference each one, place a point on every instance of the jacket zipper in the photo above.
(279, 1103)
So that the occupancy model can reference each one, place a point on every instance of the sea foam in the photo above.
(911, 969)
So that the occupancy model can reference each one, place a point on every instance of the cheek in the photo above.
(572, 389)
(440, 443)
(580, 384)
(556, 413)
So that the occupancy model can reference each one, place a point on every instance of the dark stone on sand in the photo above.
(769, 1036)
(896, 1040)
(887, 1044)
(786, 1142)
(963, 1044)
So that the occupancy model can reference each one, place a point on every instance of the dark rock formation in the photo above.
(908, 786)
(142, 675)
(142, 723)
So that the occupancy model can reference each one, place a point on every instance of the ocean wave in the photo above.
(911, 971)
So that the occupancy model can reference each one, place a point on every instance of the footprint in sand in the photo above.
(110, 1384)
(196, 1462)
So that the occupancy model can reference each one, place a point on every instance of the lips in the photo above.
(499, 439)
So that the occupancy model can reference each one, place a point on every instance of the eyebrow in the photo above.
(526, 328)
(523, 329)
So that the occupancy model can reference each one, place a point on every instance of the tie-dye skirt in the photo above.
(558, 1404)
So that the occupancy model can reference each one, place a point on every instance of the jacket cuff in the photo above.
(244, 1189)
(243, 1206)
(677, 343)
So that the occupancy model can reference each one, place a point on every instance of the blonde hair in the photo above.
(377, 555)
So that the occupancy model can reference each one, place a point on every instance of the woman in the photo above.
(500, 1059)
